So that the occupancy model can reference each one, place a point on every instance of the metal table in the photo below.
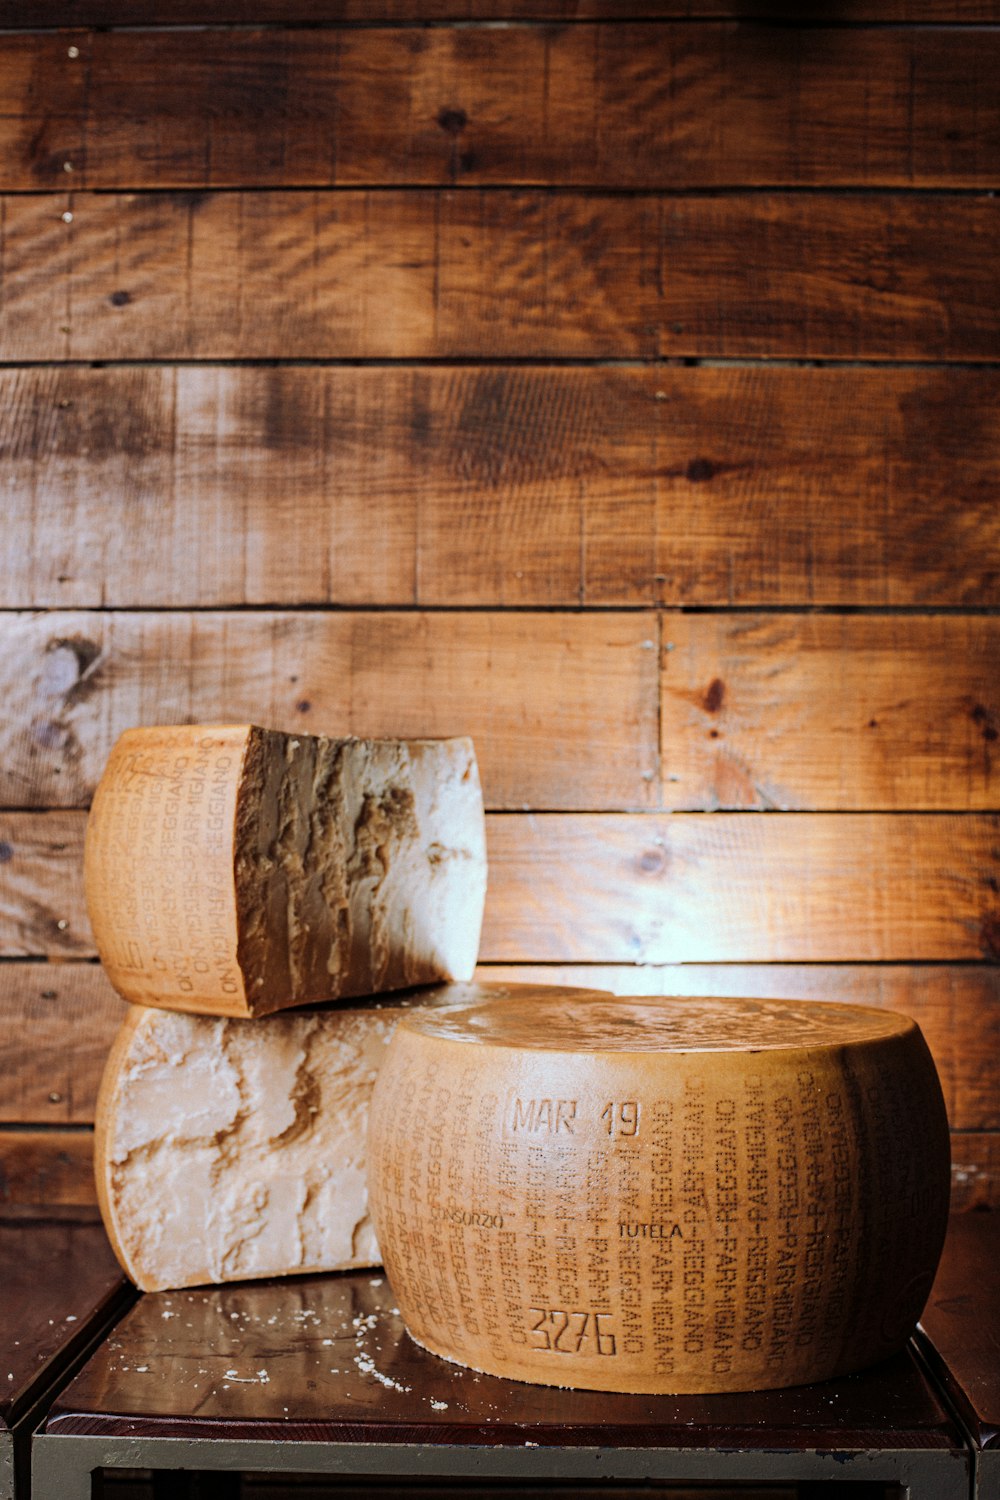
(960, 1337)
(60, 1286)
(317, 1375)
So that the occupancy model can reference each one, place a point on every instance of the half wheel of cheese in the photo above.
(228, 1148)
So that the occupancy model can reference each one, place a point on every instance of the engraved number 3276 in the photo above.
(565, 1332)
(621, 1118)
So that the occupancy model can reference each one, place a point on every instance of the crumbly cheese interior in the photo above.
(236, 1149)
(360, 866)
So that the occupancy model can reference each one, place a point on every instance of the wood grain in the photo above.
(620, 888)
(742, 887)
(849, 278)
(843, 713)
(13, 13)
(563, 709)
(53, 1168)
(827, 486)
(957, 1007)
(41, 886)
(194, 486)
(60, 1021)
(400, 274)
(46, 1167)
(63, 1018)
(626, 105)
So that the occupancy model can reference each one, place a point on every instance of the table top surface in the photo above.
(326, 1358)
(961, 1323)
(58, 1282)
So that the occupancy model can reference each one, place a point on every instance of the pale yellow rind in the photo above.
(660, 1196)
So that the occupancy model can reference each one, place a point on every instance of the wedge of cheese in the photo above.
(237, 871)
(228, 1149)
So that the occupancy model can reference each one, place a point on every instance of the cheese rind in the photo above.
(236, 871)
(659, 1196)
(230, 1148)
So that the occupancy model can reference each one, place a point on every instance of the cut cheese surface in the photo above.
(237, 871)
(227, 1149)
(659, 1195)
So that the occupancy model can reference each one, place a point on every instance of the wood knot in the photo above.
(452, 121)
(84, 651)
(715, 696)
(701, 469)
(982, 717)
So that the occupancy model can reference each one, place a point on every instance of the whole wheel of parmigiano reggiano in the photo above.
(660, 1195)
(231, 870)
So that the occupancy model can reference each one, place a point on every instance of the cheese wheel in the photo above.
(665, 1196)
(228, 1149)
(236, 871)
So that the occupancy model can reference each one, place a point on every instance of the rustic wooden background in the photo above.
(623, 391)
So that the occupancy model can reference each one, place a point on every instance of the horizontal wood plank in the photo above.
(562, 708)
(64, 13)
(59, 1021)
(196, 486)
(642, 888)
(54, 1168)
(957, 1007)
(404, 274)
(733, 887)
(827, 486)
(683, 106)
(47, 1168)
(758, 711)
(62, 1018)
(825, 712)
(207, 486)
(850, 278)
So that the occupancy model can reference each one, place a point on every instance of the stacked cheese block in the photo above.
(231, 873)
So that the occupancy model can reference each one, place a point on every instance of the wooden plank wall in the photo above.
(625, 392)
